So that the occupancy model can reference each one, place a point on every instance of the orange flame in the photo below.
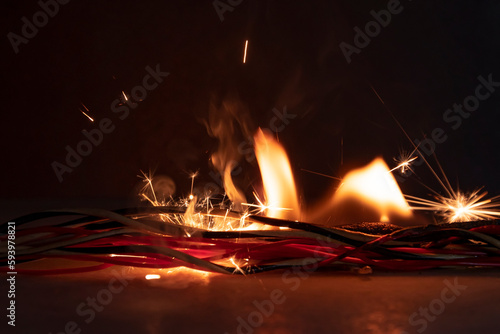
(279, 186)
(228, 121)
(236, 196)
(369, 193)
(376, 187)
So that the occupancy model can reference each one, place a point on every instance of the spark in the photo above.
(456, 206)
(90, 118)
(192, 176)
(460, 207)
(321, 174)
(200, 213)
(404, 164)
(443, 182)
(148, 179)
(404, 160)
(83, 112)
(263, 206)
(245, 52)
(84, 106)
(237, 267)
(193, 217)
(124, 96)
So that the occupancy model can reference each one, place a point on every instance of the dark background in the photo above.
(424, 61)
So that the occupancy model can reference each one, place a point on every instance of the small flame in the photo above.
(376, 187)
(234, 194)
(279, 186)
(369, 193)
(227, 122)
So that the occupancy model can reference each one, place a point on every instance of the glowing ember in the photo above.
(277, 178)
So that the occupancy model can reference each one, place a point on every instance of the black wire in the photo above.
(308, 228)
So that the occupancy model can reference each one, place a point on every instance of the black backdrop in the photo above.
(426, 59)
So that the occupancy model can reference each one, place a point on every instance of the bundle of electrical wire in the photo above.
(159, 237)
